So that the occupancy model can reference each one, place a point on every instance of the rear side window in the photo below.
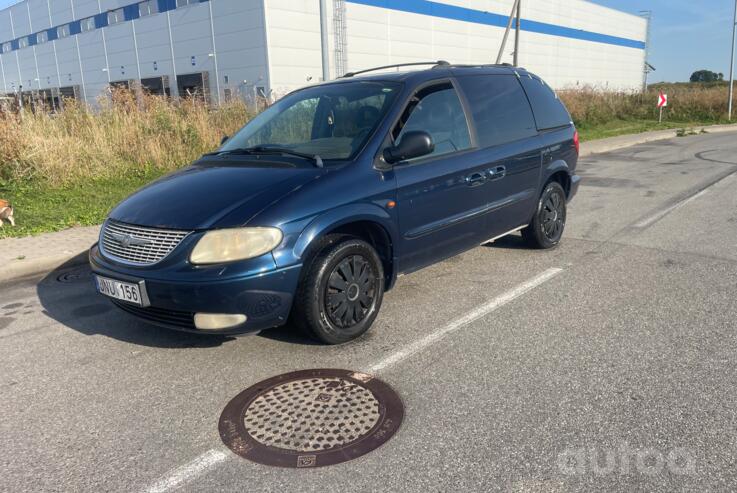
(500, 108)
(548, 109)
(437, 111)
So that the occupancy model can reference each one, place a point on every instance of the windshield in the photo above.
(331, 121)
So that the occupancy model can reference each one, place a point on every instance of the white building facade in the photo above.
(246, 48)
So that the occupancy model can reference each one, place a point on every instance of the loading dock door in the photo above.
(158, 86)
(194, 86)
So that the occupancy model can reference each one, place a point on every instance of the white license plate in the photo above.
(124, 291)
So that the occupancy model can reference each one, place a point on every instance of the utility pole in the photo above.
(648, 16)
(516, 34)
(506, 32)
(731, 64)
(324, 40)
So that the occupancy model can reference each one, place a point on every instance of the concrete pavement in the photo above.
(617, 373)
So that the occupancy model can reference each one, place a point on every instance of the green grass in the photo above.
(40, 208)
(614, 128)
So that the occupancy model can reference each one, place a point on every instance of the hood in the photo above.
(213, 193)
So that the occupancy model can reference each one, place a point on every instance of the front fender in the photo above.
(332, 219)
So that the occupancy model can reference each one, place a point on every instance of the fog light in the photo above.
(218, 321)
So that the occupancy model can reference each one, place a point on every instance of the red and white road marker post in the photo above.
(662, 103)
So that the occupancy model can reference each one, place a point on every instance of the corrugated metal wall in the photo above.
(251, 47)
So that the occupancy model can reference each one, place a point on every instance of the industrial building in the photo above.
(221, 49)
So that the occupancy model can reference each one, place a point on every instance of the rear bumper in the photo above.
(575, 183)
(265, 298)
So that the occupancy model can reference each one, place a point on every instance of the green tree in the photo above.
(706, 76)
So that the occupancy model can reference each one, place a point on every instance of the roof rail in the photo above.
(439, 63)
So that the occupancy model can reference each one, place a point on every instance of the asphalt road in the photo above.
(606, 364)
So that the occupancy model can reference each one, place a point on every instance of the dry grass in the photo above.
(687, 103)
(124, 136)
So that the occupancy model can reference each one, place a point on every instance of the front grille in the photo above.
(137, 245)
(184, 320)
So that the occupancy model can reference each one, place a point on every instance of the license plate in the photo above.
(124, 291)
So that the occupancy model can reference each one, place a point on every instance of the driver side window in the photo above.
(436, 110)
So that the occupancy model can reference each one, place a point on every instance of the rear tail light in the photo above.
(576, 142)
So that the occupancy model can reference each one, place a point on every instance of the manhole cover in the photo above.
(311, 418)
(80, 274)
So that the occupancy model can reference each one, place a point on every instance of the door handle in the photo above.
(498, 172)
(475, 179)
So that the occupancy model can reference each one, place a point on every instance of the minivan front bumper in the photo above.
(264, 298)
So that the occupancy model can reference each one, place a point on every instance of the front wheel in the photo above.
(340, 295)
(546, 228)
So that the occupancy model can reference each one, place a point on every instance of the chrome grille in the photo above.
(137, 245)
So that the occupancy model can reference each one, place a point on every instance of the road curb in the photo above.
(620, 142)
(20, 269)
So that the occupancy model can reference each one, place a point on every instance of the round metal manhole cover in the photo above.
(80, 274)
(311, 418)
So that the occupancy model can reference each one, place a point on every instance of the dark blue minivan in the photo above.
(313, 209)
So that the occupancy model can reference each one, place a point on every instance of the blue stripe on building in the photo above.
(453, 12)
(130, 13)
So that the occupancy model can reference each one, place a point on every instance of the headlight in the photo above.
(228, 245)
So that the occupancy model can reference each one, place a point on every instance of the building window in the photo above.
(23, 42)
(6, 47)
(148, 8)
(42, 37)
(115, 16)
(62, 31)
(184, 3)
(87, 24)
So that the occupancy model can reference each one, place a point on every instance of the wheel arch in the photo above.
(367, 222)
(560, 172)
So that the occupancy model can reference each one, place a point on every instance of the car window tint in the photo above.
(437, 111)
(499, 108)
(548, 109)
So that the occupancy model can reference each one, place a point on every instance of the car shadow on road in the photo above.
(289, 334)
(68, 296)
(509, 242)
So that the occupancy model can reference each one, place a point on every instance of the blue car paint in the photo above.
(437, 213)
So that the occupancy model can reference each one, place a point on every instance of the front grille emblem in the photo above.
(127, 240)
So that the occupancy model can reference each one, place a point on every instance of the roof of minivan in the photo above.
(419, 76)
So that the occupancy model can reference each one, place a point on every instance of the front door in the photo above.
(441, 200)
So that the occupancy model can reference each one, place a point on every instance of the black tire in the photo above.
(340, 293)
(547, 225)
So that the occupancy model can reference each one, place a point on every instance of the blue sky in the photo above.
(687, 35)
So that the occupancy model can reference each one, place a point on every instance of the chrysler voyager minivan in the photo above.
(311, 211)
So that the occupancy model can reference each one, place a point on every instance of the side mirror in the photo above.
(414, 144)
(224, 139)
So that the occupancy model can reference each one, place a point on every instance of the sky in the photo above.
(686, 35)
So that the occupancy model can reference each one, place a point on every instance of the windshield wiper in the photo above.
(263, 149)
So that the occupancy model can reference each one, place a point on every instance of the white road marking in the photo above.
(189, 471)
(213, 457)
(470, 317)
(661, 214)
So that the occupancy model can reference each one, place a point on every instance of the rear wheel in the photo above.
(546, 228)
(340, 295)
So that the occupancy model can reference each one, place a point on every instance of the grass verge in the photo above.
(41, 208)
